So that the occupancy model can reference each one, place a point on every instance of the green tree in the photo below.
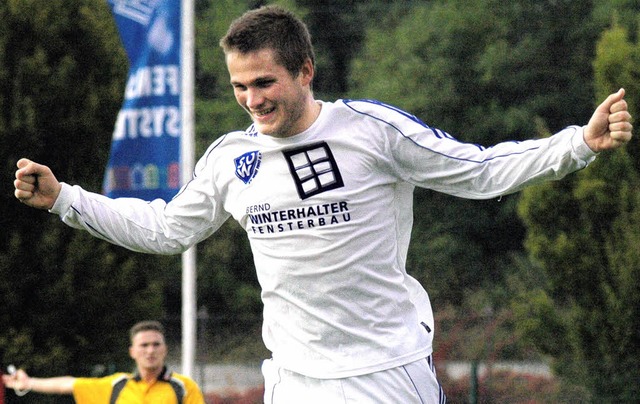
(336, 31)
(68, 299)
(584, 233)
(614, 67)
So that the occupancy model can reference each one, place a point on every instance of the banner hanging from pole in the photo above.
(145, 151)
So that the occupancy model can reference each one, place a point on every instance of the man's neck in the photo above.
(150, 375)
(312, 113)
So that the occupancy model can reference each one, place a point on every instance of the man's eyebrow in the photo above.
(258, 80)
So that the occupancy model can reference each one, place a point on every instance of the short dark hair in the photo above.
(271, 27)
(147, 325)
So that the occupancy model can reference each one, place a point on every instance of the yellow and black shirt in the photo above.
(126, 388)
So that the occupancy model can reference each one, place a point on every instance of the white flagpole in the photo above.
(187, 162)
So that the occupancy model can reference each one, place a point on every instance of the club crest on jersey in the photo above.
(247, 166)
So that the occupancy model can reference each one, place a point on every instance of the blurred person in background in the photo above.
(152, 382)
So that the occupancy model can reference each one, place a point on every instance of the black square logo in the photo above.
(314, 169)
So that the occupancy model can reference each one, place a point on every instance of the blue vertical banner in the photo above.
(145, 149)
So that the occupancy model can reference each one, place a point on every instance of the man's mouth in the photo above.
(263, 112)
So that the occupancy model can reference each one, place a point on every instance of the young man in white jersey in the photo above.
(324, 192)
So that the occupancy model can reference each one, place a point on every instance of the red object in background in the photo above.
(1, 390)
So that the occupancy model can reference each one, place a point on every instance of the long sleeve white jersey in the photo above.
(328, 213)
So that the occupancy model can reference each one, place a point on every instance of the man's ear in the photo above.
(307, 72)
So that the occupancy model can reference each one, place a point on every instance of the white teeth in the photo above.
(262, 113)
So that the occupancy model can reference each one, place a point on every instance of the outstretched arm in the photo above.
(610, 125)
(36, 185)
(21, 381)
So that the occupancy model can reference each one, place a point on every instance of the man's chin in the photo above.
(265, 129)
(153, 366)
(272, 131)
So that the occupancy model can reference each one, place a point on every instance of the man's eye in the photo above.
(264, 84)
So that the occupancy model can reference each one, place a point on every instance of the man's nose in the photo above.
(255, 98)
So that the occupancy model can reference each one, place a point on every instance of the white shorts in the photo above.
(412, 383)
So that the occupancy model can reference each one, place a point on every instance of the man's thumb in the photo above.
(23, 162)
(610, 100)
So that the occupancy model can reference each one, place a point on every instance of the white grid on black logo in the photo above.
(314, 169)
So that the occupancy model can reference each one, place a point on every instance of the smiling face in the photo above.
(279, 104)
(149, 350)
